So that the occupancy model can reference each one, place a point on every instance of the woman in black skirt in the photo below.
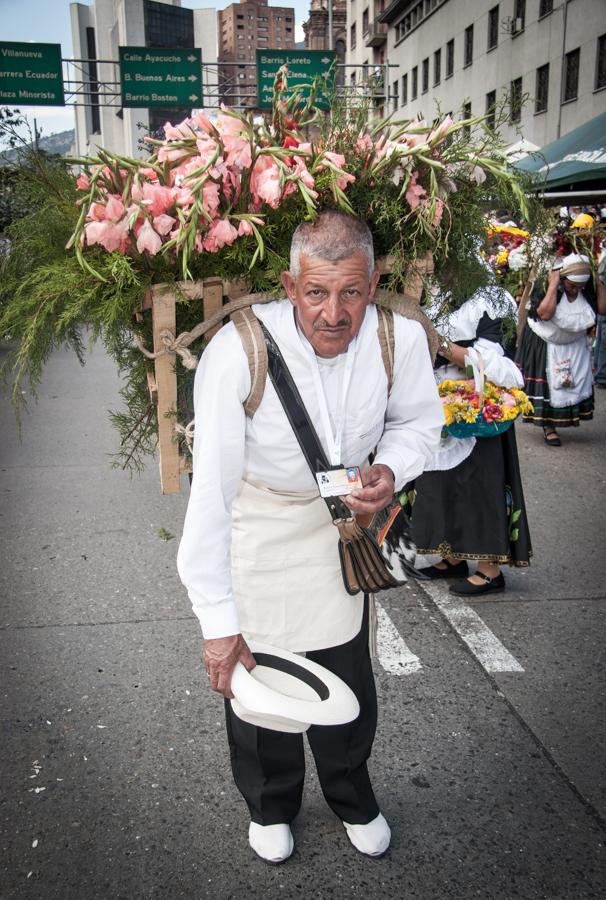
(469, 503)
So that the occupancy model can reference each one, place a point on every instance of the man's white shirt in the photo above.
(229, 447)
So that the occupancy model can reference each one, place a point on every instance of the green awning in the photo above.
(578, 157)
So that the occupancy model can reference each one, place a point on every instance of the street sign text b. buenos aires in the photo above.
(31, 74)
(160, 77)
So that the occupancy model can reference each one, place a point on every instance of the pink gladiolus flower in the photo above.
(97, 212)
(82, 182)
(157, 198)
(238, 152)
(178, 132)
(220, 233)
(345, 179)
(244, 228)
(439, 132)
(265, 182)
(364, 144)
(414, 192)
(148, 240)
(163, 223)
(200, 120)
(110, 235)
(211, 198)
(114, 209)
(336, 159)
(184, 197)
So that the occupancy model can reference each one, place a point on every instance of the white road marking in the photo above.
(484, 645)
(395, 657)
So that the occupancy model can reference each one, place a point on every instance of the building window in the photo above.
(425, 76)
(493, 27)
(468, 53)
(600, 63)
(519, 16)
(542, 89)
(571, 75)
(352, 38)
(515, 100)
(545, 7)
(167, 26)
(415, 84)
(365, 21)
(437, 67)
(404, 89)
(450, 58)
(394, 94)
(467, 115)
(491, 102)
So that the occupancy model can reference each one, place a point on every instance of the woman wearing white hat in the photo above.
(554, 353)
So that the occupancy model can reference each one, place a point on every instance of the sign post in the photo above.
(31, 74)
(303, 67)
(153, 77)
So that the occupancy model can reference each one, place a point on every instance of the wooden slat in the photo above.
(213, 301)
(164, 317)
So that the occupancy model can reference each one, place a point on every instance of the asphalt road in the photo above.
(115, 777)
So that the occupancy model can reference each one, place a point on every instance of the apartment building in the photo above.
(243, 28)
(546, 60)
(97, 32)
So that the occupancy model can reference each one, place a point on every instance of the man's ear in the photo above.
(288, 283)
(374, 280)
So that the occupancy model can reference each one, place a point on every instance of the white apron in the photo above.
(286, 573)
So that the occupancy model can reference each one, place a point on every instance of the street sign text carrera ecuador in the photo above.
(303, 67)
(31, 74)
(153, 77)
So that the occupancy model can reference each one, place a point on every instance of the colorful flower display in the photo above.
(483, 415)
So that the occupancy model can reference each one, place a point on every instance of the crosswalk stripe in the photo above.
(394, 655)
(484, 645)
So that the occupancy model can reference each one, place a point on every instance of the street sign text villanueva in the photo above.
(160, 77)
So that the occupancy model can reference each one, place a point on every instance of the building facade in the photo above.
(543, 62)
(97, 32)
(245, 28)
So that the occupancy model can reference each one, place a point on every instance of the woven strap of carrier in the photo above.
(253, 341)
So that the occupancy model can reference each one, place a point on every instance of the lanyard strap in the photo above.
(300, 422)
(333, 439)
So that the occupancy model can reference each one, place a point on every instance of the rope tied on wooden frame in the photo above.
(188, 433)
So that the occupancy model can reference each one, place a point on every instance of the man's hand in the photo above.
(377, 492)
(220, 657)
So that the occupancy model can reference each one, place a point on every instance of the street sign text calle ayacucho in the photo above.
(31, 74)
(160, 77)
(303, 67)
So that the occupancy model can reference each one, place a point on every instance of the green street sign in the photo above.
(31, 74)
(303, 67)
(158, 77)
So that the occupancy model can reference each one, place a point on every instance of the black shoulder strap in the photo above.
(298, 417)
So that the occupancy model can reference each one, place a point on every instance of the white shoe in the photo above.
(371, 839)
(273, 843)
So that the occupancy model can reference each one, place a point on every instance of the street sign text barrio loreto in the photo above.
(303, 67)
(31, 74)
(153, 77)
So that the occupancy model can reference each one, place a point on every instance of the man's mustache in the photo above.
(323, 325)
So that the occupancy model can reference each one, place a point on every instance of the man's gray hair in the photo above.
(335, 235)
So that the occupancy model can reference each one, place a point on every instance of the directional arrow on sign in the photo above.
(191, 58)
(193, 78)
(325, 74)
(326, 60)
(193, 97)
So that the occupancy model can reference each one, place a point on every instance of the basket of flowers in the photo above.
(485, 413)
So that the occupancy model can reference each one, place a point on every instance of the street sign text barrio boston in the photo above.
(153, 77)
(31, 74)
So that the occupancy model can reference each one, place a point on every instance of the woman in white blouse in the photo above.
(554, 353)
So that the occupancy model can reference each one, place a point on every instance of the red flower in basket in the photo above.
(492, 412)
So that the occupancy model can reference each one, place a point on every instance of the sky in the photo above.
(48, 21)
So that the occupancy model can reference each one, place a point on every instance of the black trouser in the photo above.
(269, 766)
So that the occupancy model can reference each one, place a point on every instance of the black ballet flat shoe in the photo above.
(466, 588)
(452, 570)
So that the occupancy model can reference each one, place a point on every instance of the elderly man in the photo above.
(259, 552)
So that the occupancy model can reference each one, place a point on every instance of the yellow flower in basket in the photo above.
(468, 413)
